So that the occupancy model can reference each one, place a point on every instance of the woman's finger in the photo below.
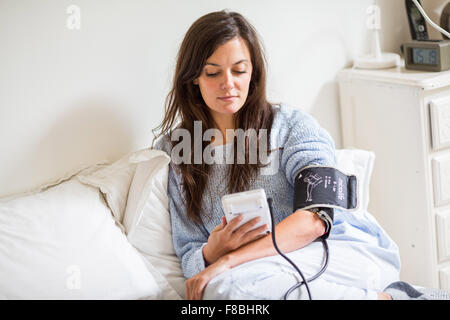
(189, 290)
(255, 234)
(197, 290)
(201, 287)
(188, 293)
(233, 223)
(194, 291)
(246, 227)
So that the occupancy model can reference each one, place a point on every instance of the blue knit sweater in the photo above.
(298, 140)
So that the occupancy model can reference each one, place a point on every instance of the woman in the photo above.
(220, 84)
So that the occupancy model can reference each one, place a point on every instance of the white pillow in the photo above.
(147, 222)
(360, 163)
(150, 162)
(63, 243)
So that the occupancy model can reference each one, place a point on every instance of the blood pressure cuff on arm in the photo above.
(321, 189)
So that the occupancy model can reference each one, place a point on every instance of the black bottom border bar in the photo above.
(218, 309)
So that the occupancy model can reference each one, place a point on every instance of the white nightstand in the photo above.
(404, 117)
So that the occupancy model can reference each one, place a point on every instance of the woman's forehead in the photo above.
(232, 52)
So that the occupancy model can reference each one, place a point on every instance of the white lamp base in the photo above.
(385, 60)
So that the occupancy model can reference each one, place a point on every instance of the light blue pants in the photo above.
(353, 273)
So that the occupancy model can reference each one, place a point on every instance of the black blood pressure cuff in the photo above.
(322, 189)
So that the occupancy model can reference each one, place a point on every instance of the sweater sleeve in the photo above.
(188, 237)
(305, 143)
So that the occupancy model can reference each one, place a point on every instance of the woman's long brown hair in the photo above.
(185, 103)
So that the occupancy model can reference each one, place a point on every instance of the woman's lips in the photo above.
(228, 98)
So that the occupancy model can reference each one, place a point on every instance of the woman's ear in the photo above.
(196, 81)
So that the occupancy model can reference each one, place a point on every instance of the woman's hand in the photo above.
(197, 284)
(224, 238)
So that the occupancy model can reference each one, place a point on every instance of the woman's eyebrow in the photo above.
(218, 65)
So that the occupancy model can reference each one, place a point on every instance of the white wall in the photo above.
(73, 97)
(434, 9)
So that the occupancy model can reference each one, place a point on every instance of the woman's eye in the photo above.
(215, 74)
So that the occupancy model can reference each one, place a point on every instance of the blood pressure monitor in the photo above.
(250, 204)
(431, 55)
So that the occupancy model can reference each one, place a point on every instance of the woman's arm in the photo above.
(295, 231)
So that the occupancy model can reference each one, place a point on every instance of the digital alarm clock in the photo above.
(430, 55)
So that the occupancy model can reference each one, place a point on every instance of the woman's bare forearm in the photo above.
(294, 232)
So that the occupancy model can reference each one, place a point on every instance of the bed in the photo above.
(103, 231)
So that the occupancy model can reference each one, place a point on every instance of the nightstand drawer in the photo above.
(443, 234)
(440, 123)
(441, 179)
(444, 278)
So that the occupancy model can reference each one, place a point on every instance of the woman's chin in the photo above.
(230, 108)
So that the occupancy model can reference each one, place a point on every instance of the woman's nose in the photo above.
(227, 81)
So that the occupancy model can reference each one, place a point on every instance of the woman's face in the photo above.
(225, 78)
